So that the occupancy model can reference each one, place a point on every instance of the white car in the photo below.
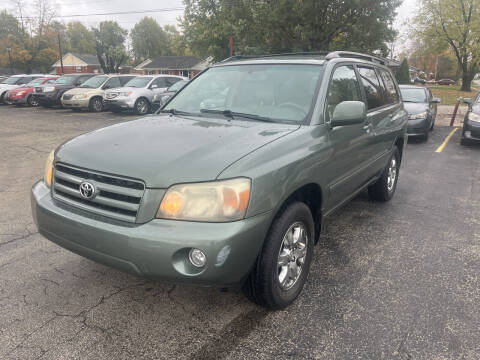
(138, 93)
(16, 81)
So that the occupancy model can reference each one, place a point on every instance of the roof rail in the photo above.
(350, 54)
(242, 57)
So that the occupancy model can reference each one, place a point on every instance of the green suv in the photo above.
(229, 183)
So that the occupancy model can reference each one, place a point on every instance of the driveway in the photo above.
(388, 281)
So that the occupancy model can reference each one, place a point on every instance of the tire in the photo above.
(425, 136)
(2, 97)
(141, 107)
(32, 101)
(263, 285)
(96, 104)
(383, 190)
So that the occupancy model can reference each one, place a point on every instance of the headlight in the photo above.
(126, 93)
(473, 117)
(422, 115)
(49, 88)
(20, 93)
(217, 201)
(47, 177)
(80, 96)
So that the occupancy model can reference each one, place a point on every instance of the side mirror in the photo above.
(468, 101)
(349, 113)
(153, 86)
(436, 100)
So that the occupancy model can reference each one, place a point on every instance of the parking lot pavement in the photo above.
(388, 281)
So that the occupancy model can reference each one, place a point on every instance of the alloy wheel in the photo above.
(392, 174)
(292, 255)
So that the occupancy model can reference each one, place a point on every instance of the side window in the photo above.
(373, 91)
(391, 94)
(171, 80)
(51, 81)
(125, 79)
(112, 83)
(160, 82)
(24, 80)
(343, 87)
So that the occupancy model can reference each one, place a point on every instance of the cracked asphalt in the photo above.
(388, 281)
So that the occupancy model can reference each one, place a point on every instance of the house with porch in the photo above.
(187, 66)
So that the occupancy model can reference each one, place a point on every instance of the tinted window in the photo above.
(125, 79)
(373, 90)
(172, 80)
(113, 83)
(391, 90)
(94, 82)
(343, 87)
(139, 82)
(11, 80)
(25, 80)
(160, 82)
(66, 80)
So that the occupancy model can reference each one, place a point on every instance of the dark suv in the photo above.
(230, 182)
(51, 94)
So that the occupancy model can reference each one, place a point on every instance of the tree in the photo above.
(110, 48)
(79, 39)
(403, 73)
(453, 23)
(287, 25)
(148, 40)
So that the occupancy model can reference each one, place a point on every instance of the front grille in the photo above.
(67, 97)
(110, 96)
(116, 197)
(39, 89)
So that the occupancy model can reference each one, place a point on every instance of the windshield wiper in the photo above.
(175, 112)
(233, 115)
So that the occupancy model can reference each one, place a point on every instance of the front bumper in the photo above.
(157, 249)
(471, 130)
(124, 104)
(78, 104)
(418, 127)
(48, 99)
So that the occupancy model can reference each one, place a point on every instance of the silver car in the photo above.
(138, 93)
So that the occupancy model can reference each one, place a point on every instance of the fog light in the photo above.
(197, 258)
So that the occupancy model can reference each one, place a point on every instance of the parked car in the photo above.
(446, 82)
(161, 99)
(236, 193)
(422, 109)
(24, 94)
(138, 93)
(51, 94)
(419, 80)
(471, 123)
(89, 95)
(3, 78)
(14, 82)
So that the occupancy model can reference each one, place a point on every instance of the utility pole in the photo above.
(60, 50)
(230, 45)
(9, 50)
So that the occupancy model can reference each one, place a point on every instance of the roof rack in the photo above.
(244, 57)
(350, 54)
(328, 55)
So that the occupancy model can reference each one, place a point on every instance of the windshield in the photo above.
(66, 80)
(12, 80)
(282, 92)
(178, 85)
(34, 82)
(139, 82)
(414, 95)
(94, 82)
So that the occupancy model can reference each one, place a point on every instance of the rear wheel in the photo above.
(96, 104)
(282, 267)
(32, 101)
(384, 189)
(142, 107)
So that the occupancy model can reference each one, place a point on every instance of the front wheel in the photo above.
(96, 105)
(142, 107)
(282, 267)
(32, 101)
(384, 189)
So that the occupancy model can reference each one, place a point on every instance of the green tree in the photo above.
(109, 40)
(403, 73)
(79, 39)
(287, 25)
(453, 23)
(148, 40)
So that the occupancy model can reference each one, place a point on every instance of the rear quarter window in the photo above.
(373, 89)
(391, 94)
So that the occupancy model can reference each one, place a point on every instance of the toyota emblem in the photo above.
(87, 190)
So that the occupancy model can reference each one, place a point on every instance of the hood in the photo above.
(79, 90)
(163, 150)
(124, 89)
(415, 108)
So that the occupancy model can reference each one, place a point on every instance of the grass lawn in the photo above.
(450, 94)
